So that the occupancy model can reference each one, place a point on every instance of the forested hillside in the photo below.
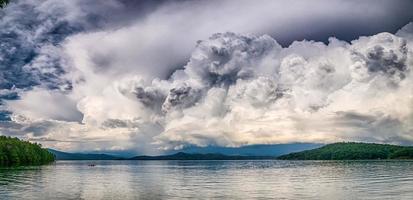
(353, 151)
(3, 3)
(15, 152)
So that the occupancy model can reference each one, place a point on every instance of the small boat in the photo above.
(91, 165)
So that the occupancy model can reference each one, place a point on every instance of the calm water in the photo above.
(210, 180)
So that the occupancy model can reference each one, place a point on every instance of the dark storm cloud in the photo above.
(347, 24)
(406, 31)
(24, 31)
(16, 129)
(181, 97)
(31, 33)
(385, 128)
(224, 61)
(354, 119)
(11, 128)
(39, 129)
(388, 57)
(27, 28)
(388, 62)
(115, 123)
(150, 97)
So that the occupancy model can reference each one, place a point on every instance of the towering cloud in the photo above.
(87, 82)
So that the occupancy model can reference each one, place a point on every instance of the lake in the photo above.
(258, 179)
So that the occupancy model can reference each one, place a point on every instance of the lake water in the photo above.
(262, 179)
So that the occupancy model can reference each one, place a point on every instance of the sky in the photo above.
(148, 77)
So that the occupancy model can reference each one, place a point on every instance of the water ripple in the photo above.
(263, 179)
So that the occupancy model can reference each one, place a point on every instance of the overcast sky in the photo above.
(153, 76)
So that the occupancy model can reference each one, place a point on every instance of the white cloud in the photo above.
(149, 85)
(225, 96)
(44, 105)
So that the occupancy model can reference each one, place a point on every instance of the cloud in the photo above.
(160, 42)
(45, 104)
(172, 76)
(406, 31)
(384, 54)
(302, 100)
(242, 89)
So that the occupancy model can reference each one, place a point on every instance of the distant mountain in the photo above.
(209, 156)
(353, 151)
(81, 156)
(251, 150)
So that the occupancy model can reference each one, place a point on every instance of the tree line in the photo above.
(15, 152)
(3, 3)
(353, 151)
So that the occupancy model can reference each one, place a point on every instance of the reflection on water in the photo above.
(210, 180)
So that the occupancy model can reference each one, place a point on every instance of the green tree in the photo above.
(14, 152)
(3, 3)
(353, 151)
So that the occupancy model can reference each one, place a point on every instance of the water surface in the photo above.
(258, 179)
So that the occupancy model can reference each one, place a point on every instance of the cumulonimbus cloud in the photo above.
(113, 91)
(242, 89)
